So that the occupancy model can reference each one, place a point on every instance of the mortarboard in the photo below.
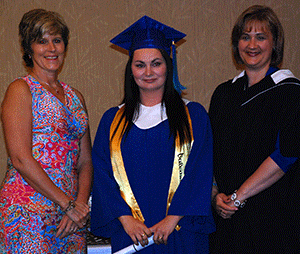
(149, 33)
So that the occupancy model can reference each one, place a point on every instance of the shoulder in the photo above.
(110, 113)
(195, 108)
(286, 83)
(75, 91)
(108, 117)
(197, 113)
(283, 76)
(231, 83)
(19, 85)
(17, 96)
(227, 86)
(226, 90)
(223, 92)
(78, 93)
(105, 124)
(18, 90)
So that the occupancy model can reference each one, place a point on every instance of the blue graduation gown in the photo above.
(148, 156)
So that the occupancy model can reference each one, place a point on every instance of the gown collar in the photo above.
(152, 116)
(277, 75)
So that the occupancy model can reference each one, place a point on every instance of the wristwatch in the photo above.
(236, 202)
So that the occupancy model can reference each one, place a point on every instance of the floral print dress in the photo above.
(28, 220)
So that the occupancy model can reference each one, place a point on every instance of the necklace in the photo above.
(56, 90)
(50, 87)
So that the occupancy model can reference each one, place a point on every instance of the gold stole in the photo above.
(180, 160)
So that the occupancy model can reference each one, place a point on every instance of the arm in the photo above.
(85, 165)
(85, 172)
(17, 126)
(265, 176)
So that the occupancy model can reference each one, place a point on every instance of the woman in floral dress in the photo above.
(44, 196)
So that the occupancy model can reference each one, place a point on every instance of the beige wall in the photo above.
(93, 67)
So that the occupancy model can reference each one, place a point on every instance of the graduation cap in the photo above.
(149, 33)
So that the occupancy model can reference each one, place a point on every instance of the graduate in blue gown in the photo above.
(153, 154)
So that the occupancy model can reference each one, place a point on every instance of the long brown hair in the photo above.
(175, 107)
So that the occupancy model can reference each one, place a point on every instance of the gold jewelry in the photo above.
(142, 235)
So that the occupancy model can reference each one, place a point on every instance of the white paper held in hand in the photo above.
(134, 248)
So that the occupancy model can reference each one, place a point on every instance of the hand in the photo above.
(136, 229)
(66, 227)
(79, 214)
(164, 228)
(224, 206)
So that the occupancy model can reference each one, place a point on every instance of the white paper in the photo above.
(134, 248)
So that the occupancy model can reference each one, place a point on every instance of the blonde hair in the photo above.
(35, 24)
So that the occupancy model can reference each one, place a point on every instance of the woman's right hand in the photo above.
(66, 227)
(79, 214)
(136, 229)
(223, 206)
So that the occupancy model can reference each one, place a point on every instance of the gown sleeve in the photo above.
(290, 129)
(192, 199)
(107, 203)
(290, 133)
(283, 162)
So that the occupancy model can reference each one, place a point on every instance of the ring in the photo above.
(161, 237)
(142, 235)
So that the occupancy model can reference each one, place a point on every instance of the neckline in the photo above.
(65, 103)
(150, 116)
(150, 107)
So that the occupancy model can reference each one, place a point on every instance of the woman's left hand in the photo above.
(66, 227)
(164, 228)
(224, 206)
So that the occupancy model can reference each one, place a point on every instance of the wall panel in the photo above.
(95, 68)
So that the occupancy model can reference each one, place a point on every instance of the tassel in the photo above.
(178, 87)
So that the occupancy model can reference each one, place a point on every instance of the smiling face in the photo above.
(149, 70)
(255, 47)
(48, 53)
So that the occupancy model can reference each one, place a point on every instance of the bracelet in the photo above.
(70, 206)
(237, 203)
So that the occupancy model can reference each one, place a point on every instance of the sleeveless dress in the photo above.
(28, 220)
